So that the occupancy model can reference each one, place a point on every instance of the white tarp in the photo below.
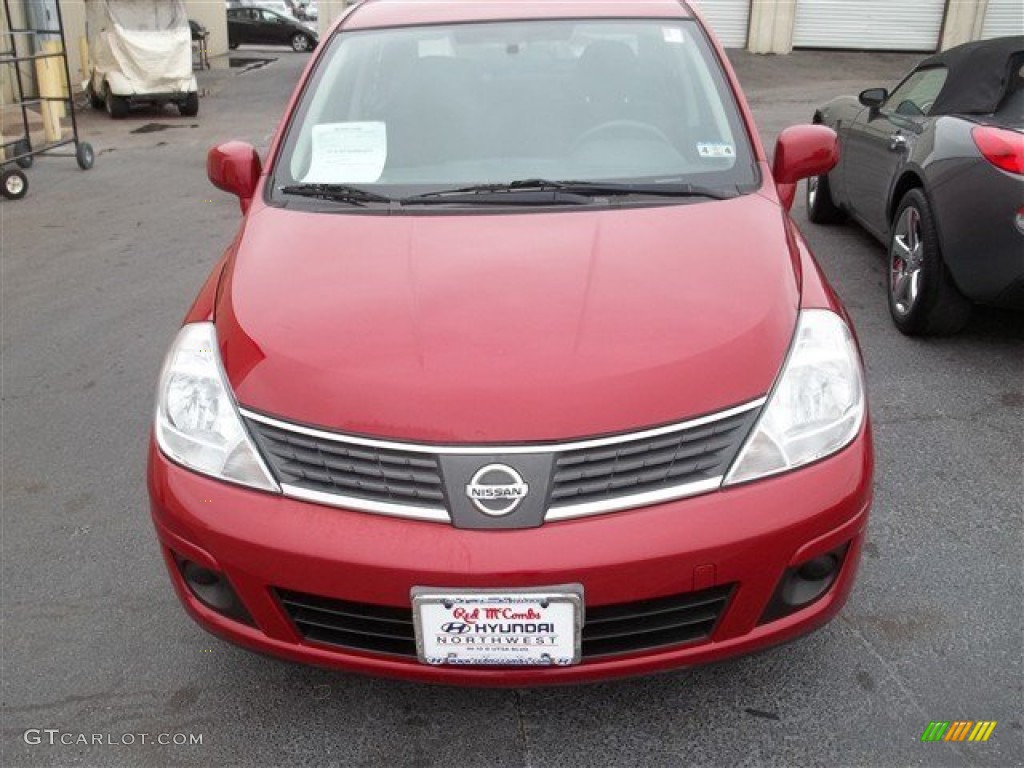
(147, 42)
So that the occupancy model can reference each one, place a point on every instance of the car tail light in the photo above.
(1003, 148)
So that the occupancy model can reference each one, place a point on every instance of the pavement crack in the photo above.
(521, 721)
(893, 675)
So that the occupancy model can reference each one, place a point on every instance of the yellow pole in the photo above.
(50, 81)
(83, 57)
(60, 86)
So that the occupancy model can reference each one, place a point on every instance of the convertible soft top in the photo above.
(979, 75)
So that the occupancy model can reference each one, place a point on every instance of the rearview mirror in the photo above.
(235, 167)
(803, 151)
(873, 97)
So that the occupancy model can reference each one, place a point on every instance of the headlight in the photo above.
(817, 406)
(197, 421)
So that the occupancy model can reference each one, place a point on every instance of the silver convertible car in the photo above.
(935, 170)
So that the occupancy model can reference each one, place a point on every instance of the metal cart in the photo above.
(20, 151)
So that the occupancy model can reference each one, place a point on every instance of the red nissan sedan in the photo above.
(517, 371)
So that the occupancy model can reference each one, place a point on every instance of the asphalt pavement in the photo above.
(98, 269)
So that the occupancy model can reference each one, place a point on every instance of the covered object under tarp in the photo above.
(140, 47)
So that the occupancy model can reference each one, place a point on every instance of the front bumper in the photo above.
(746, 536)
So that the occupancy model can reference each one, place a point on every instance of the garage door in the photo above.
(728, 19)
(874, 25)
(1003, 17)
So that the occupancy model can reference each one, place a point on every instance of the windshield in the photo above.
(404, 111)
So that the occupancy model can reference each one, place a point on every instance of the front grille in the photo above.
(567, 480)
(346, 469)
(608, 631)
(361, 626)
(649, 464)
(647, 624)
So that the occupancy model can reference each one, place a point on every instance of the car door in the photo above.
(246, 23)
(881, 139)
(236, 26)
(258, 32)
(276, 27)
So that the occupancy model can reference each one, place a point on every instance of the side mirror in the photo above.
(873, 97)
(803, 151)
(235, 167)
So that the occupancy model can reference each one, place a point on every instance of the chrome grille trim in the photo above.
(407, 511)
(619, 503)
(554, 513)
(469, 450)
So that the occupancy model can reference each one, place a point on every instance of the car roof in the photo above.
(979, 75)
(392, 13)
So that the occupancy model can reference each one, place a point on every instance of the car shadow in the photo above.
(988, 323)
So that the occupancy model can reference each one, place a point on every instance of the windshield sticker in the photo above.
(716, 150)
(439, 46)
(345, 153)
(672, 34)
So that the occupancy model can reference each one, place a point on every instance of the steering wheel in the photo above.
(620, 129)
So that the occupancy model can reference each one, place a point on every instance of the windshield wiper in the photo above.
(578, 188)
(658, 189)
(341, 193)
(511, 192)
(518, 192)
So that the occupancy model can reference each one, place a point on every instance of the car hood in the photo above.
(505, 328)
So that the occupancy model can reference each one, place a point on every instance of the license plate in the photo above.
(529, 627)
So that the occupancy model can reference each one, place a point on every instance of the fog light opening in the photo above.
(199, 577)
(213, 590)
(805, 583)
(818, 568)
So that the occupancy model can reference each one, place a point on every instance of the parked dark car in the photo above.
(260, 26)
(935, 170)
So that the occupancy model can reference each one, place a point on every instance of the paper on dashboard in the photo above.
(346, 153)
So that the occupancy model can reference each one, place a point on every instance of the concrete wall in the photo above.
(771, 26)
(7, 72)
(329, 11)
(73, 14)
(963, 23)
(212, 15)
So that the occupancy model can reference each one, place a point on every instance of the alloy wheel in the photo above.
(906, 261)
